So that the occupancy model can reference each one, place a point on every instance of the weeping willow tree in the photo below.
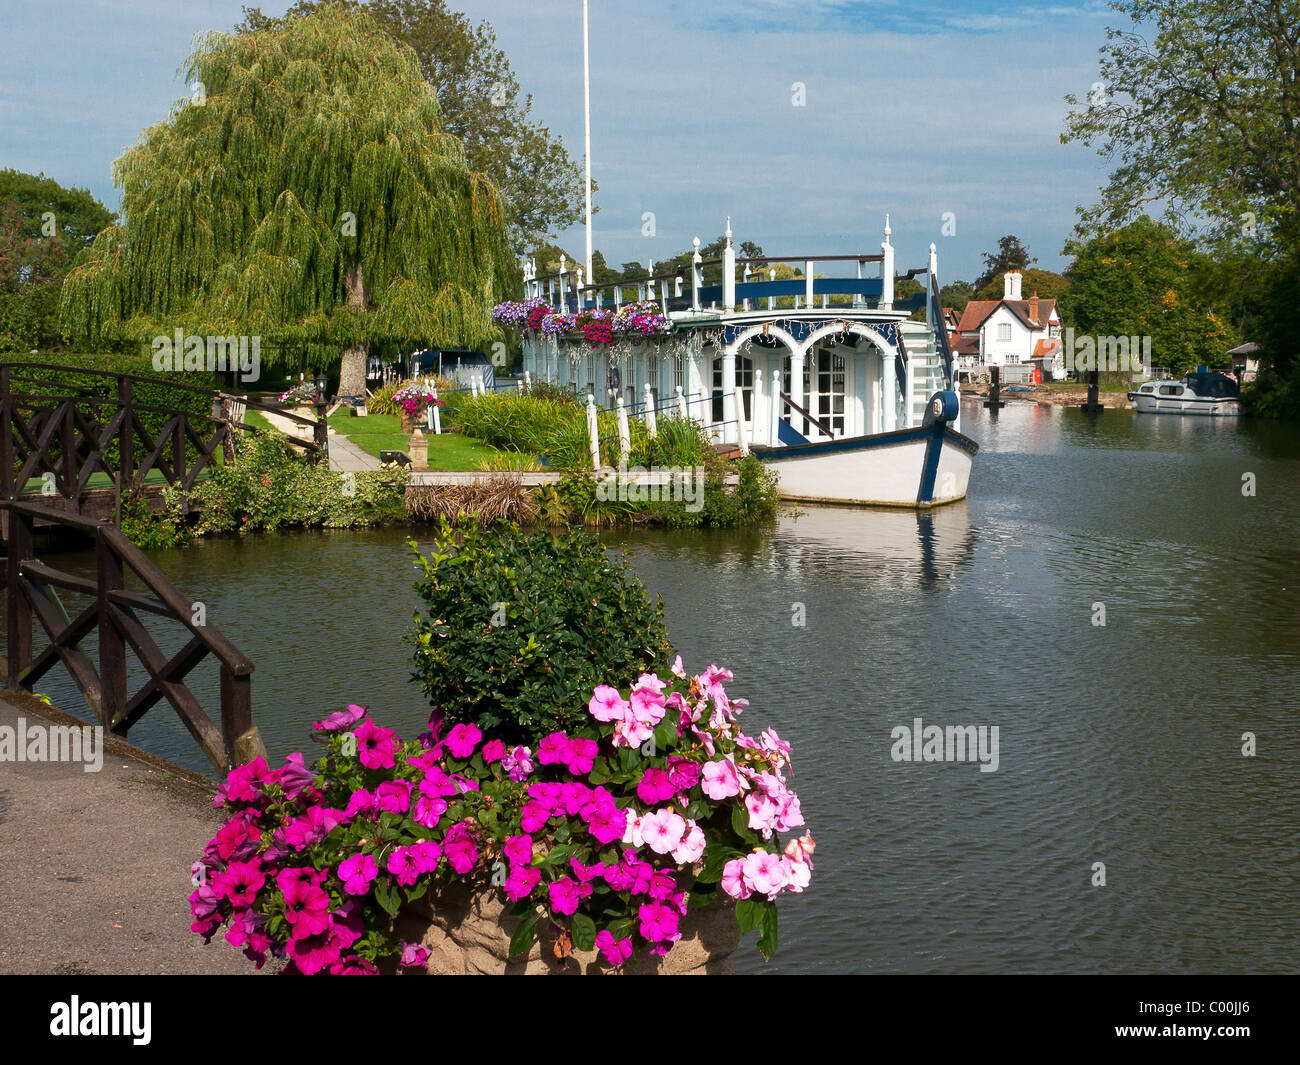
(304, 194)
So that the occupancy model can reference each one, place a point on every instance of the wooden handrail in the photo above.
(28, 585)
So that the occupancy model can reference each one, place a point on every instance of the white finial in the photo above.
(933, 248)
(728, 230)
(888, 231)
(696, 244)
(562, 260)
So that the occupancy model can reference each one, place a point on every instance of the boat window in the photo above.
(745, 382)
(1171, 390)
(1148, 388)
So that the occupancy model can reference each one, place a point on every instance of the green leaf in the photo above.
(558, 854)
(767, 944)
(584, 931)
(749, 913)
(740, 822)
(387, 896)
(716, 856)
(600, 772)
(522, 940)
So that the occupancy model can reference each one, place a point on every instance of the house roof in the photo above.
(1244, 349)
(1046, 349)
(979, 311)
(966, 346)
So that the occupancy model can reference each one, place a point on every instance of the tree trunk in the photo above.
(352, 372)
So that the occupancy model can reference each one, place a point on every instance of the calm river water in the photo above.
(1119, 743)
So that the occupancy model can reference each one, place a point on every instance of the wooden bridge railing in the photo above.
(30, 588)
(65, 432)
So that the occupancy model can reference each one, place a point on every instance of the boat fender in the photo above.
(942, 408)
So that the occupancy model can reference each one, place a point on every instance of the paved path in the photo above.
(346, 457)
(95, 867)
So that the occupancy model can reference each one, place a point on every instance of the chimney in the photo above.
(1011, 285)
(1033, 307)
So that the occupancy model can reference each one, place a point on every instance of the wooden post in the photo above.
(1093, 406)
(994, 402)
(243, 741)
(18, 609)
(321, 433)
(112, 646)
(6, 437)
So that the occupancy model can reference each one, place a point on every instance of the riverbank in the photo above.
(1050, 395)
(96, 865)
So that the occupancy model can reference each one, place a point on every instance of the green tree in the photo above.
(1198, 105)
(1048, 285)
(44, 227)
(481, 103)
(956, 294)
(307, 195)
(1010, 255)
(1136, 281)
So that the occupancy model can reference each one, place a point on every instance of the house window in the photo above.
(1004, 331)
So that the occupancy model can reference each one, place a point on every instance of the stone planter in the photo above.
(467, 933)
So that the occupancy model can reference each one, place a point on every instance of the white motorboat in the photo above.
(1202, 393)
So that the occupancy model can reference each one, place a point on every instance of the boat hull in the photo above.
(919, 468)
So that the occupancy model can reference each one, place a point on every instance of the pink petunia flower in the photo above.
(462, 740)
(357, 872)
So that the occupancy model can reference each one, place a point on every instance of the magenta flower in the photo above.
(415, 955)
(404, 866)
(580, 755)
(586, 873)
(428, 812)
(655, 787)
(683, 773)
(237, 839)
(659, 923)
(343, 720)
(607, 823)
(240, 883)
(245, 783)
(360, 802)
(565, 894)
(376, 747)
(519, 850)
(311, 954)
(493, 751)
(306, 907)
(521, 882)
(357, 872)
(462, 740)
(353, 966)
(573, 797)
(394, 796)
(553, 748)
(295, 776)
(460, 850)
(615, 952)
(534, 816)
(426, 855)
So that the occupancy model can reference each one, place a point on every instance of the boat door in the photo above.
(745, 382)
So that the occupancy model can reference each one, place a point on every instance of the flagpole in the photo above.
(586, 106)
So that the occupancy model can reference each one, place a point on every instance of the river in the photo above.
(1120, 744)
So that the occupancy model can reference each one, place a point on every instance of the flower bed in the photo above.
(608, 845)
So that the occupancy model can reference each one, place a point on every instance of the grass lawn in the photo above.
(1105, 383)
(383, 432)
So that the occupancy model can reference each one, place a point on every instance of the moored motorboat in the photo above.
(1201, 393)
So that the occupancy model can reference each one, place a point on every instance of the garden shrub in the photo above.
(269, 486)
(519, 629)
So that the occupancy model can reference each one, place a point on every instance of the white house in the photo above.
(1010, 332)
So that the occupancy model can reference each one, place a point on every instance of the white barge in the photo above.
(1203, 393)
(826, 379)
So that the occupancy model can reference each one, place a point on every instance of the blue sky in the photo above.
(912, 108)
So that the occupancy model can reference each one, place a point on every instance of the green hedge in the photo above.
(520, 629)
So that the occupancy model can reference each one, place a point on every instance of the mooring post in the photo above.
(321, 433)
(994, 402)
(1093, 406)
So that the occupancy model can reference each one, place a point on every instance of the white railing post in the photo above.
(436, 414)
(775, 436)
(697, 275)
(578, 290)
(728, 272)
(729, 412)
(771, 276)
(887, 271)
(593, 432)
(756, 406)
(738, 401)
(564, 294)
(744, 277)
(808, 283)
(681, 404)
(624, 437)
(651, 422)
